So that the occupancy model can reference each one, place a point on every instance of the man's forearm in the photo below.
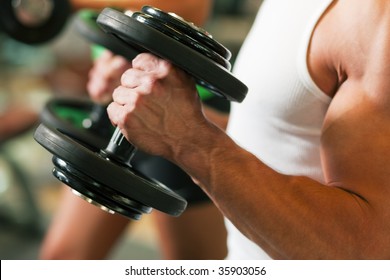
(289, 217)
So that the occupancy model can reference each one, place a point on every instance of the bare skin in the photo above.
(16, 120)
(82, 231)
(290, 217)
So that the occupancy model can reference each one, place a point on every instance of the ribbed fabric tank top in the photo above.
(281, 118)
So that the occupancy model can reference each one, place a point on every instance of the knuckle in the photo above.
(115, 93)
(165, 66)
(126, 76)
(139, 59)
(124, 119)
(151, 87)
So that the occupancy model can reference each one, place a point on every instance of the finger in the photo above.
(111, 75)
(132, 78)
(105, 76)
(145, 61)
(119, 63)
(97, 79)
(114, 111)
(111, 70)
(150, 63)
(106, 54)
(102, 61)
(124, 96)
(95, 86)
(99, 90)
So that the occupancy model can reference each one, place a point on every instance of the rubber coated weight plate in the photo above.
(29, 30)
(181, 37)
(97, 194)
(85, 23)
(67, 115)
(140, 36)
(118, 178)
(185, 27)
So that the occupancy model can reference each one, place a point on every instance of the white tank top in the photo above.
(281, 118)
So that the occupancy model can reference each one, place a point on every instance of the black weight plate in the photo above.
(85, 23)
(207, 73)
(182, 38)
(192, 30)
(37, 34)
(94, 198)
(50, 117)
(97, 194)
(119, 178)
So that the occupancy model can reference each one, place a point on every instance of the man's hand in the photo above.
(157, 106)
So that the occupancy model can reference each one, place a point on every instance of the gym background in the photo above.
(29, 76)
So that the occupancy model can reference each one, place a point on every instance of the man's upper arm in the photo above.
(355, 146)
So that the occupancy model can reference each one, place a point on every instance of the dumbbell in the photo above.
(80, 118)
(39, 21)
(33, 21)
(106, 176)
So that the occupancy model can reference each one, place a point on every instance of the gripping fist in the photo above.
(156, 106)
